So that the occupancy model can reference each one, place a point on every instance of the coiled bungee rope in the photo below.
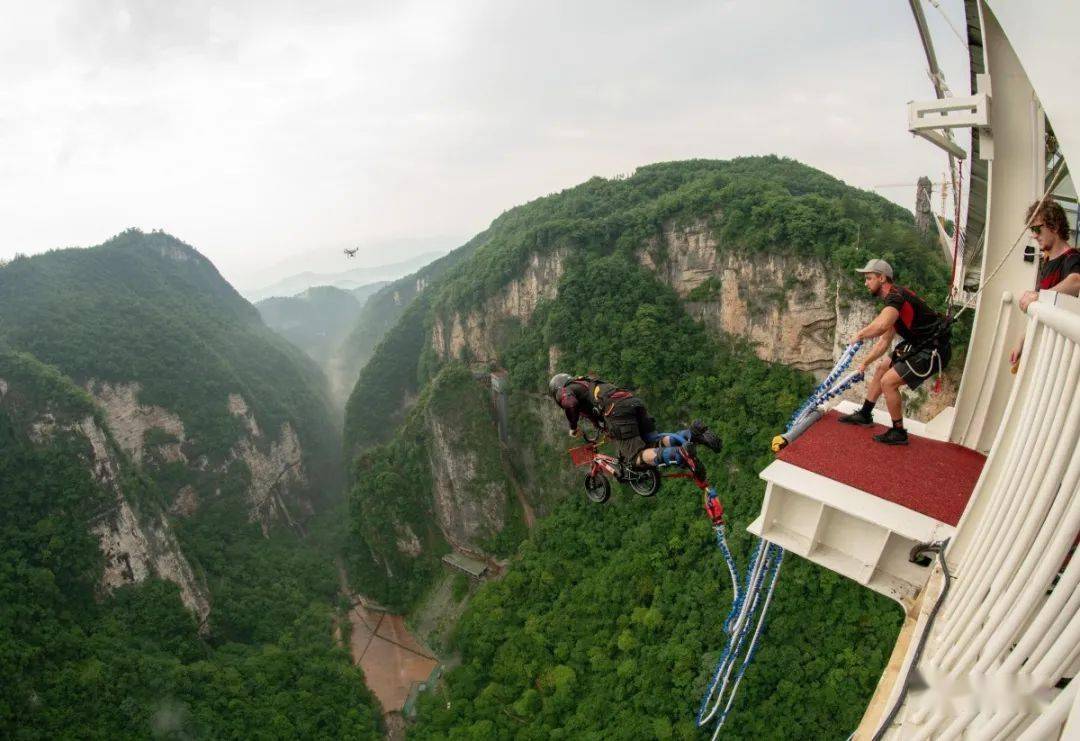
(750, 605)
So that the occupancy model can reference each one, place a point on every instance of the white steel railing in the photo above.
(1007, 632)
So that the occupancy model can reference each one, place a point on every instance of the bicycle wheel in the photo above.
(645, 482)
(597, 488)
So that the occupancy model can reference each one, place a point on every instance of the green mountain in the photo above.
(608, 618)
(317, 321)
(168, 478)
(381, 314)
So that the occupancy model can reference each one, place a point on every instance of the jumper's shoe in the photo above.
(699, 433)
(893, 436)
(858, 418)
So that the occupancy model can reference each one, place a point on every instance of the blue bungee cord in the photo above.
(761, 574)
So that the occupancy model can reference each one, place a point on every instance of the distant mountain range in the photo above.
(345, 280)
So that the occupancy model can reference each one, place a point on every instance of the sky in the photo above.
(275, 133)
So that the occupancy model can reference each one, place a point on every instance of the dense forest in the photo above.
(606, 619)
(752, 204)
(609, 617)
(132, 661)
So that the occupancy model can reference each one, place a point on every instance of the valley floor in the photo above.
(392, 659)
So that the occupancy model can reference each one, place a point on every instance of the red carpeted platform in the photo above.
(928, 476)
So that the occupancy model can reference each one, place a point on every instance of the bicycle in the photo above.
(643, 480)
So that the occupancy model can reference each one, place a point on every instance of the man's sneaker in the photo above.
(699, 433)
(858, 418)
(893, 436)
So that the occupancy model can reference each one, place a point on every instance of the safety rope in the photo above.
(750, 605)
(957, 193)
(829, 388)
(748, 611)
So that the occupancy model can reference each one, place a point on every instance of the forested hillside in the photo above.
(382, 313)
(149, 308)
(609, 617)
(169, 485)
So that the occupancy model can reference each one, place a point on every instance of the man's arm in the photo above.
(1070, 285)
(570, 407)
(882, 323)
(880, 348)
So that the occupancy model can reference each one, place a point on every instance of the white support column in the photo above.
(987, 380)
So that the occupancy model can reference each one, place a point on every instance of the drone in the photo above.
(352, 252)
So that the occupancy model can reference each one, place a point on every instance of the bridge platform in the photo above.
(856, 506)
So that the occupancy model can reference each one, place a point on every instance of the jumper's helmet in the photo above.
(557, 382)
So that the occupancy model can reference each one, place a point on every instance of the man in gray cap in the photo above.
(924, 349)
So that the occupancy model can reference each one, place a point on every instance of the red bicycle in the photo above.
(645, 481)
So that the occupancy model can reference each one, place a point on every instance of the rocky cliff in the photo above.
(480, 333)
(788, 307)
(471, 501)
(154, 437)
(791, 309)
(135, 535)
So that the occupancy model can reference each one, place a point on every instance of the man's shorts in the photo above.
(916, 367)
(625, 424)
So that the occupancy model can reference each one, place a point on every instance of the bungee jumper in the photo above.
(642, 449)
(926, 348)
(628, 424)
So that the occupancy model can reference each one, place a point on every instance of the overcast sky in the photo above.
(256, 130)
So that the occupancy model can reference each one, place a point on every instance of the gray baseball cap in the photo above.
(877, 266)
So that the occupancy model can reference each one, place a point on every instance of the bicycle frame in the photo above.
(602, 463)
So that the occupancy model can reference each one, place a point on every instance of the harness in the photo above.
(606, 395)
(941, 334)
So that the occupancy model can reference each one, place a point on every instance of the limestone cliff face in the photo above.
(790, 308)
(275, 475)
(477, 333)
(129, 421)
(137, 541)
(470, 502)
(151, 435)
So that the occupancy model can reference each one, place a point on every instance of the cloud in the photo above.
(256, 130)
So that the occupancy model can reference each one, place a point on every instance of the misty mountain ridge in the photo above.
(317, 321)
(346, 280)
(168, 471)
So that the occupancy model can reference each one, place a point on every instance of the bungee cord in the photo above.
(745, 621)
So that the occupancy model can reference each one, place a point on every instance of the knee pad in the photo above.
(671, 455)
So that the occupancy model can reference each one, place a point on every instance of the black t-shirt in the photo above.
(917, 322)
(1054, 271)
